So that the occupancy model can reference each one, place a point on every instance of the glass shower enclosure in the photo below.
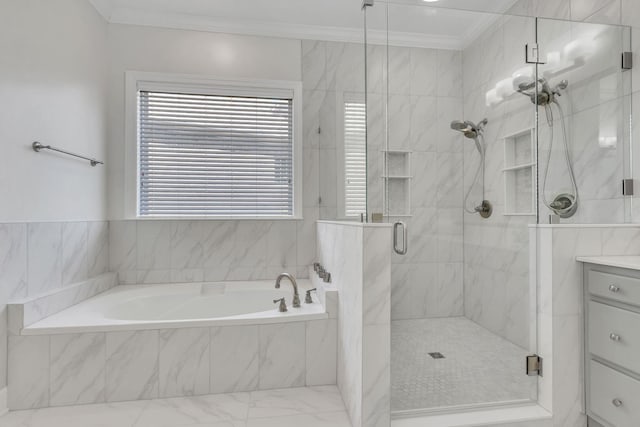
(477, 126)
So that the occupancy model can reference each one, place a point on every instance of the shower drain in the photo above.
(437, 355)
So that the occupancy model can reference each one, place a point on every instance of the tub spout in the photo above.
(296, 297)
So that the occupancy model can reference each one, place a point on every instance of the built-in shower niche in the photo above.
(398, 177)
(519, 173)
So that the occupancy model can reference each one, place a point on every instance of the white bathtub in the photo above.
(166, 306)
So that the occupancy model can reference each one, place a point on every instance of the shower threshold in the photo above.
(444, 410)
(530, 412)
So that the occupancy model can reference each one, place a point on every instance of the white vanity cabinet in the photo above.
(612, 344)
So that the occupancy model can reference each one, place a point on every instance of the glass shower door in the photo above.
(463, 313)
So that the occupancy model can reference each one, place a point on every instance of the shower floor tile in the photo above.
(477, 367)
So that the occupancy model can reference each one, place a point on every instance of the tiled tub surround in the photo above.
(25, 312)
(359, 260)
(170, 360)
(40, 259)
(166, 251)
(37, 258)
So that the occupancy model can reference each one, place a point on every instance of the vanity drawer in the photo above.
(613, 396)
(619, 288)
(614, 335)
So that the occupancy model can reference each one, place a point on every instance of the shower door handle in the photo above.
(405, 238)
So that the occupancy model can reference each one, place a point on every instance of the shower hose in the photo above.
(480, 169)
(567, 156)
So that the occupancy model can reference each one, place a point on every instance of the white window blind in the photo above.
(214, 155)
(355, 159)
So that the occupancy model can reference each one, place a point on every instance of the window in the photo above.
(355, 159)
(216, 150)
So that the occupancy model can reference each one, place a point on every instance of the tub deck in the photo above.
(90, 315)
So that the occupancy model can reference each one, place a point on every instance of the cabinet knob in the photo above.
(617, 403)
(614, 289)
(614, 337)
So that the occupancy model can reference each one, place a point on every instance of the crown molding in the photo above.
(130, 16)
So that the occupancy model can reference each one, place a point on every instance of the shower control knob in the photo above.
(614, 288)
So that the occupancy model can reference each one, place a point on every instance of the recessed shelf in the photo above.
(397, 177)
(519, 173)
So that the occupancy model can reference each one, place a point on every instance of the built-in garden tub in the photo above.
(136, 342)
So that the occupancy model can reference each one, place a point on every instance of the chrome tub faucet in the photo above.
(296, 297)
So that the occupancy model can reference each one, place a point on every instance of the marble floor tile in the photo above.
(122, 414)
(305, 406)
(295, 401)
(327, 419)
(178, 412)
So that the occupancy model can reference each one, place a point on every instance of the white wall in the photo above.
(53, 89)
(136, 48)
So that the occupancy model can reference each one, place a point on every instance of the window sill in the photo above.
(219, 218)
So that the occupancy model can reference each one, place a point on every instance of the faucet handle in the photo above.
(283, 305)
(307, 298)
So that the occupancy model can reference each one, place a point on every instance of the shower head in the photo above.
(470, 130)
(467, 128)
(540, 92)
(459, 125)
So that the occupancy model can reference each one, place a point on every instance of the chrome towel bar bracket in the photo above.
(37, 146)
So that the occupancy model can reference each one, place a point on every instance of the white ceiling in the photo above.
(450, 25)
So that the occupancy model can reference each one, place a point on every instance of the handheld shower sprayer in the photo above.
(476, 133)
(542, 94)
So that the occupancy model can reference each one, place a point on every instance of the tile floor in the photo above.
(308, 407)
(478, 366)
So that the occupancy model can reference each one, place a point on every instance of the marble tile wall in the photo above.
(41, 258)
(150, 251)
(68, 369)
(360, 264)
(424, 96)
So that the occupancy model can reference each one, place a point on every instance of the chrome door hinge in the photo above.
(627, 60)
(534, 365)
(627, 187)
(532, 54)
